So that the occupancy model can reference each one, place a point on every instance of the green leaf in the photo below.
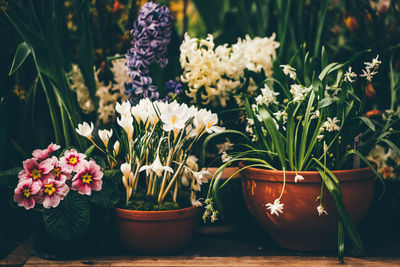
(70, 219)
(325, 102)
(277, 139)
(90, 150)
(9, 177)
(21, 54)
(107, 197)
(368, 122)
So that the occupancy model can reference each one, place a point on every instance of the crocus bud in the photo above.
(105, 136)
(116, 148)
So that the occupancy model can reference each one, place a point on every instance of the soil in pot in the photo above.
(300, 227)
(156, 232)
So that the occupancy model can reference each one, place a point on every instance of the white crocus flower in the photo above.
(225, 157)
(85, 129)
(191, 163)
(349, 75)
(156, 167)
(126, 123)
(288, 70)
(124, 108)
(298, 178)
(210, 122)
(176, 118)
(331, 124)
(321, 210)
(275, 208)
(125, 169)
(116, 148)
(105, 136)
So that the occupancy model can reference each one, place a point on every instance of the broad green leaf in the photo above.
(107, 197)
(90, 150)
(325, 102)
(21, 54)
(69, 219)
(368, 122)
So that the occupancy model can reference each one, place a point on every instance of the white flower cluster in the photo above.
(369, 71)
(299, 92)
(174, 116)
(220, 70)
(82, 92)
(267, 96)
(109, 95)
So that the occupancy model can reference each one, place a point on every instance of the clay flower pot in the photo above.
(300, 227)
(156, 232)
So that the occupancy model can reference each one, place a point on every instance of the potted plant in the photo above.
(301, 166)
(61, 190)
(159, 178)
(215, 88)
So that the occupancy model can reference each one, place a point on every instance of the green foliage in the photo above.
(70, 219)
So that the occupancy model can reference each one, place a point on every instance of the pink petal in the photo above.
(29, 164)
(23, 175)
(97, 185)
(35, 188)
(52, 201)
(85, 190)
(46, 166)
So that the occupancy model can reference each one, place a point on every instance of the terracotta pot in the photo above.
(300, 227)
(156, 232)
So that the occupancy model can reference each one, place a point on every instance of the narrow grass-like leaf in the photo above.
(21, 54)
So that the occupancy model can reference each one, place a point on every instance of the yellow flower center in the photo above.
(87, 178)
(27, 192)
(210, 124)
(49, 189)
(56, 172)
(174, 118)
(36, 174)
(73, 160)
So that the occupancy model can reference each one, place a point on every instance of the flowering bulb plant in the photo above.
(153, 151)
(63, 186)
(302, 122)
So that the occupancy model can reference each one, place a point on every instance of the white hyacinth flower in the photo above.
(321, 210)
(156, 167)
(288, 70)
(275, 208)
(85, 129)
(105, 136)
(298, 178)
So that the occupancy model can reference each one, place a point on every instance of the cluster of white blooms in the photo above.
(267, 96)
(82, 92)
(299, 92)
(369, 71)
(109, 95)
(218, 71)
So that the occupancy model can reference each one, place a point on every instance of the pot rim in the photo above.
(254, 173)
(162, 215)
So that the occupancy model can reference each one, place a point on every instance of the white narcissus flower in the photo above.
(349, 75)
(299, 92)
(126, 123)
(331, 124)
(321, 210)
(156, 167)
(374, 64)
(275, 208)
(124, 108)
(288, 70)
(267, 96)
(298, 178)
(105, 136)
(226, 146)
(191, 162)
(368, 74)
(85, 129)
(202, 176)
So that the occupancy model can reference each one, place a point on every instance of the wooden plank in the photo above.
(215, 261)
(19, 255)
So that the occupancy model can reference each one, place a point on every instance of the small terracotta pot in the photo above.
(156, 232)
(300, 227)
